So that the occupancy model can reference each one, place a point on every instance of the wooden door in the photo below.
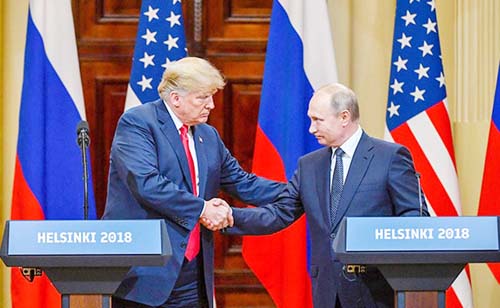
(232, 34)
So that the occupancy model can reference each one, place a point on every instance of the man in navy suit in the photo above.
(167, 163)
(353, 175)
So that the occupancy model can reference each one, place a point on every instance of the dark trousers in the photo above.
(189, 290)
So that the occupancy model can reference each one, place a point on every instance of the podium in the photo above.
(418, 254)
(85, 257)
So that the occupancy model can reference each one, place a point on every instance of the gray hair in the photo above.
(341, 98)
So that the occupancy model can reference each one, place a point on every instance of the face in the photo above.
(194, 107)
(329, 127)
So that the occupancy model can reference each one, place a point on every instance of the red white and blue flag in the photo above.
(299, 60)
(48, 172)
(417, 116)
(160, 39)
(489, 203)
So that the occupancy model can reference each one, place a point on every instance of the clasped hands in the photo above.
(217, 215)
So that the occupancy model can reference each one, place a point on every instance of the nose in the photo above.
(312, 128)
(210, 105)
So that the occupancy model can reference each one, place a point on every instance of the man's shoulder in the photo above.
(143, 108)
(384, 148)
(315, 155)
(381, 143)
(139, 113)
(144, 114)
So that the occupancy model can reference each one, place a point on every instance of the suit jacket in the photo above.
(381, 181)
(149, 178)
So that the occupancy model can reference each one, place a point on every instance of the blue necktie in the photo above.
(337, 184)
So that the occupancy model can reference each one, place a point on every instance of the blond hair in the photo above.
(190, 74)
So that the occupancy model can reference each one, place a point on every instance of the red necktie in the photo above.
(193, 246)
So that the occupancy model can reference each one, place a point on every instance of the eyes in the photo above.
(202, 100)
(315, 119)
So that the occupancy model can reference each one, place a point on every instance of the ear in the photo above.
(175, 98)
(345, 116)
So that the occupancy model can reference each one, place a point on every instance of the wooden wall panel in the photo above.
(230, 34)
(250, 9)
(118, 8)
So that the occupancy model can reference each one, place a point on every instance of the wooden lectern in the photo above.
(418, 255)
(86, 260)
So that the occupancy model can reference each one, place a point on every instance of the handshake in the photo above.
(217, 215)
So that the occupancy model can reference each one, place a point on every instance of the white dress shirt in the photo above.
(348, 147)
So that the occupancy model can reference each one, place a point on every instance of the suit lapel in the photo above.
(168, 128)
(202, 160)
(322, 177)
(359, 165)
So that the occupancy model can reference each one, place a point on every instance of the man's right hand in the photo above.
(217, 215)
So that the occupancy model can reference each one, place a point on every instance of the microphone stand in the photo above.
(83, 142)
(419, 193)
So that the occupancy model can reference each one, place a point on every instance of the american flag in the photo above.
(160, 39)
(417, 116)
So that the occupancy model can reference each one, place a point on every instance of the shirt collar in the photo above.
(350, 144)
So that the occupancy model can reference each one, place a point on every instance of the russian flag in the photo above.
(299, 60)
(489, 202)
(48, 173)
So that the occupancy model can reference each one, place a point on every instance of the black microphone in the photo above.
(417, 175)
(82, 132)
(83, 140)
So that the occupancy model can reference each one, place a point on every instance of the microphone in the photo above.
(83, 140)
(82, 132)
(417, 175)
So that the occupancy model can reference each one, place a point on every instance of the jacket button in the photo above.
(332, 236)
(183, 245)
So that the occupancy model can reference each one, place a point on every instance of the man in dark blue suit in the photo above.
(353, 175)
(166, 163)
